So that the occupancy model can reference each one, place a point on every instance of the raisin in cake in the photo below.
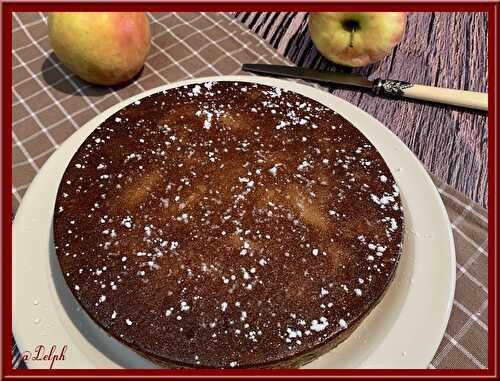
(227, 224)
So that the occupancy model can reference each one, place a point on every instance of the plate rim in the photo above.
(287, 84)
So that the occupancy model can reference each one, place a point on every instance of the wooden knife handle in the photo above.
(462, 98)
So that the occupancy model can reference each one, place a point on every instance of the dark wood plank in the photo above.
(441, 49)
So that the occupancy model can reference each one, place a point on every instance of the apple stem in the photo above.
(351, 26)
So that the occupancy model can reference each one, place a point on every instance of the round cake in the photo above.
(228, 225)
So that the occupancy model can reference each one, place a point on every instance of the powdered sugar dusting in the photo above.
(227, 215)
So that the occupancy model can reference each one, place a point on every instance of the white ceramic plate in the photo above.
(403, 331)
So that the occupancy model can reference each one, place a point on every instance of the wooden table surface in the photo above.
(438, 49)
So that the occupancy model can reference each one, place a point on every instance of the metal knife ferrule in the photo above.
(390, 87)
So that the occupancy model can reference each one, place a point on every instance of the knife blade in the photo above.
(384, 87)
(312, 74)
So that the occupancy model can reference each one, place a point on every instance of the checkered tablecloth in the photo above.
(49, 104)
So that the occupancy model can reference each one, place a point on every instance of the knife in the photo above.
(384, 87)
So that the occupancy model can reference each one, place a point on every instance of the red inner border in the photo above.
(6, 285)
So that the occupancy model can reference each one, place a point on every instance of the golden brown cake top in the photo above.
(227, 224)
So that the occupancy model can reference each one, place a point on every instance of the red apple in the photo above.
(103, 48)
(356, 38)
